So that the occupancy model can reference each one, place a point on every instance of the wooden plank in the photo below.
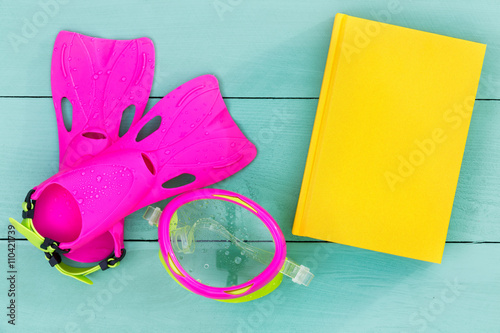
(281, 131)
(259, 48)
(353, 291)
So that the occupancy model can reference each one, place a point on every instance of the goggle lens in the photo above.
(220, 243)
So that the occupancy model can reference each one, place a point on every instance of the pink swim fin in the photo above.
(101, 78)
(187, 140)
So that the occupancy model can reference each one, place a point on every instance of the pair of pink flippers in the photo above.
(187, 140)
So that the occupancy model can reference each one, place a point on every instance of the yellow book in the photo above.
(388, 138)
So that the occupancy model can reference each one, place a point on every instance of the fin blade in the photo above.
(196, 136)
(64, 85)
(174, 111)
(101, 78)
(129, 82)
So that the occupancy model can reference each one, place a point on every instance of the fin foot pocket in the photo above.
(57, 215)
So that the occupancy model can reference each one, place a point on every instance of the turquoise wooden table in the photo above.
(269, 57)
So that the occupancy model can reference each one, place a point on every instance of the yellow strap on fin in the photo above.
(77, 272)
(25, 229)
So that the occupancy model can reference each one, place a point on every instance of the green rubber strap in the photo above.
(80, 273)
(26, 229)
(77, 272)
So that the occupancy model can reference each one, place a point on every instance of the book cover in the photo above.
(388, 138)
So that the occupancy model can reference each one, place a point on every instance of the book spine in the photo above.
(323, 103)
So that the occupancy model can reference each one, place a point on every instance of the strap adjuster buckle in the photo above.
(112, 260)
(53, 244)
(54, 258)
(29, 213)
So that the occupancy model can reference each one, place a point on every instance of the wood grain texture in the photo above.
(281, 130)
(353, 290)
(260, 48)
(263, 50)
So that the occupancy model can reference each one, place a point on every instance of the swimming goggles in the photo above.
(223, 246)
